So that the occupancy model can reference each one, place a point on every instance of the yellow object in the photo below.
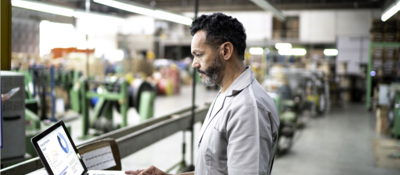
(150, 55)
(174, 66)
(129, 78)
(314, 99)
(169, 88)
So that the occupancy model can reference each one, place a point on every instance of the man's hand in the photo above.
(149, 171)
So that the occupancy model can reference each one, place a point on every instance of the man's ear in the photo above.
(226, 50)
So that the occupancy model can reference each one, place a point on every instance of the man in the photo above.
(240, 131)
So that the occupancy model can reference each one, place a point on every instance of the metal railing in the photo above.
(132, 138)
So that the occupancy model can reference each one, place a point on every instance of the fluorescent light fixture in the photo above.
(296, 52)
(43, 7)
(146, 11)
(283, 46)
(84, 15)
(393, 9)
(256, 50)
(172, 17)
(127, 7)
(37, 6)
(330, 52)
(268, 7)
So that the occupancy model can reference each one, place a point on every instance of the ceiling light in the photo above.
(147, 11)
(268, 7)
(172, 17)
(91, 15)
(127, 7)
(37, 6)
(330, 52)
(391, 11)
(43, 7)
(283, 46)
(296, 52)
(256, 50)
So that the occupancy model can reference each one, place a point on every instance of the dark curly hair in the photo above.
(221, 28)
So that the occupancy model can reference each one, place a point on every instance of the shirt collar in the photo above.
(244, 80)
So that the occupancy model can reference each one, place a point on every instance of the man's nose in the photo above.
(195, 63)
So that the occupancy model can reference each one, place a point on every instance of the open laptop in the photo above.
(59, 154)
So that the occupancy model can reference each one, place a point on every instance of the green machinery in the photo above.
(369, 67)
(396, 119)
(287, 119)
(106, 95)
(34, 123)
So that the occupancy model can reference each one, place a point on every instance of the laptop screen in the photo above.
(60, 153)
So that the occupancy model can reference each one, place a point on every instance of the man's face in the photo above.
(206, 60)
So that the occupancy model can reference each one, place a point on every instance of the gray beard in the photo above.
(212, 72)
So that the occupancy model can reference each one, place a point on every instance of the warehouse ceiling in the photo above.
(225, 5)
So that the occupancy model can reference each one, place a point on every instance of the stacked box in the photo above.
(385, 59)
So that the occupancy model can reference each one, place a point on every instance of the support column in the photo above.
(5, 34)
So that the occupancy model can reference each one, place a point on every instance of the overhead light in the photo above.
(283, 46)
(268, 7)
(37, 6)
(172, 17)
(43, 7)
(391, 11)
(256, 50)
(146, 11)
(296, 52)
(330, 52)
(127, 7)
(91, 15)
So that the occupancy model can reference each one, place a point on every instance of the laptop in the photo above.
(59, 154)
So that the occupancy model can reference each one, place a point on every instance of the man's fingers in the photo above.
(134, 172)
(148, 171)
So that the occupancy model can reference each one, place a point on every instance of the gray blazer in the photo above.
(241, 137)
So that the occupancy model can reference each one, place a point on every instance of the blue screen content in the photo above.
(59, 153)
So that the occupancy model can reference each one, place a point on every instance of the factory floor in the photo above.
(340, 142)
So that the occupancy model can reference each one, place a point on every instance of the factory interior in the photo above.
(118, 75)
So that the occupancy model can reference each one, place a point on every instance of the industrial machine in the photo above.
(316, 93)
(102, 97)
(13, 117)
(288, 105)
(389, 95)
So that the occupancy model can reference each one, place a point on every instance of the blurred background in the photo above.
(121, 69)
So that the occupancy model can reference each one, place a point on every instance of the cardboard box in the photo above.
(381, 120)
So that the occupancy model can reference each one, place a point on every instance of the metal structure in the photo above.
(5, 35)
(131, 139)
(369, 67)
(120, 97)
(396, 117)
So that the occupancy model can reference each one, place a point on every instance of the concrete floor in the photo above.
(339, 143)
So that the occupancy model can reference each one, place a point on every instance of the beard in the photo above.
(212, 72)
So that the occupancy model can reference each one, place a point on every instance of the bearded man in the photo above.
(239, 135)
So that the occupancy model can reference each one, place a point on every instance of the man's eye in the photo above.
(198, 55)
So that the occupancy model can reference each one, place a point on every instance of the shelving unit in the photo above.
(369, 67)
